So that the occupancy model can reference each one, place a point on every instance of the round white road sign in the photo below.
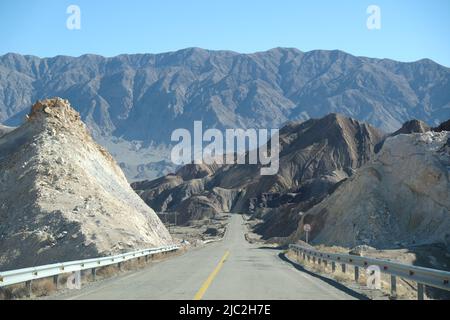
(307, 227)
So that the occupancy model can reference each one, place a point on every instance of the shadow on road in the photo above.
(269, 248)
(331, 282)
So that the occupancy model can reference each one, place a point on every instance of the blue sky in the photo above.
(410, 29)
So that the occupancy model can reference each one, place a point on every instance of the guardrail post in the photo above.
(29, 288)
(120, 266)
(55, 281)
(146, 258)
(420, 291)
(356, 273)
(94, 273)
(393, 287)
(373, 267)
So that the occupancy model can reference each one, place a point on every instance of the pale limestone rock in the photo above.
(402, 196)
(57, 183)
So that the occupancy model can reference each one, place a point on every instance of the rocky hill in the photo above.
(400, 199)
(315, 155)
(144, 97)
(412, 126)
(445, 126)
(63, 197)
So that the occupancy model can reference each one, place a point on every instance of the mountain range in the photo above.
(144, 97)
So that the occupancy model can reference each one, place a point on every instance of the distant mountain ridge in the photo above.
(146, 96)
(139, 99)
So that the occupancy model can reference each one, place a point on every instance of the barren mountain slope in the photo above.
(401, 198)
(146, 96)
(62, 196)
(314, 156)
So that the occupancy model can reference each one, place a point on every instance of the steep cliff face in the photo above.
(402, 197)
(314, 156)
(63, 197)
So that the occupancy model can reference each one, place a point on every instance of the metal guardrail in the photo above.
(27, 274)
(423, 276)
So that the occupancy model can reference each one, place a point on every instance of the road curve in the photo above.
(228, 269)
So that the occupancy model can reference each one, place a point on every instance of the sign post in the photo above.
(307, 228)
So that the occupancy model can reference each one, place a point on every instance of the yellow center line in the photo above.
(201, 292)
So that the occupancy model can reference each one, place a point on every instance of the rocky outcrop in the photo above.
(197, 207)
(412, 126)
(400, 198)
(444, 126)
(415, 126)
(63, 197)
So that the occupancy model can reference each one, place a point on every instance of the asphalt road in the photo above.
(229, 269)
